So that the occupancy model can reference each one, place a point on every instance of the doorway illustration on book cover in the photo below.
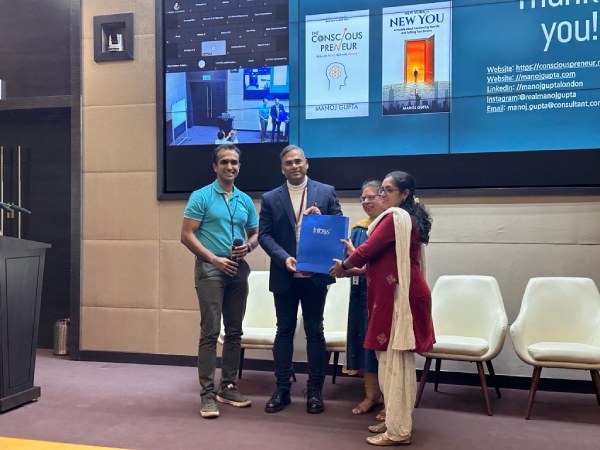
(419, 57)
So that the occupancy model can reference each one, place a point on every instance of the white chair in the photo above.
(335, 321)
(260, 321)
(470, 325)
(559, 326)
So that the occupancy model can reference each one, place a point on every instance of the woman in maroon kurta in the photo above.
(379, 252)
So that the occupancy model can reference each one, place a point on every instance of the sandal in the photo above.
(380, 415)
(364, 407)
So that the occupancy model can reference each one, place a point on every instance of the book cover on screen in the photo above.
(337, 65)
(320, 242)
(416, 59)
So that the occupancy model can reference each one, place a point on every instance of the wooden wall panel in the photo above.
(35, 47)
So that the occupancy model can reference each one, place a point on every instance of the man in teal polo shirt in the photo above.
(263, 117)
(217, 215)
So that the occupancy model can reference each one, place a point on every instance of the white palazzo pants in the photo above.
(398, 382)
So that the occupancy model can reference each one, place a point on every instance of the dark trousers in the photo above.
(220, 295)
(276, 128)
(312, 298)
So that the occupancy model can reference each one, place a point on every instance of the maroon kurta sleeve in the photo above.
(380, 239)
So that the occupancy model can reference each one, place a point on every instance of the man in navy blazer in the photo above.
(278, 116)
(281, 215)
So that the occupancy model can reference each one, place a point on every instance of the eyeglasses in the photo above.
(233, 162)
(367, 198)
(293, 162)
(387, 190)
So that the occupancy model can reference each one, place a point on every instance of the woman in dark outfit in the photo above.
(360, 360)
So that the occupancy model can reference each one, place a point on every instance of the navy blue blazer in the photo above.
(278, 113)
(277, 230)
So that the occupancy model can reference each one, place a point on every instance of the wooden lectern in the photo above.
(21, 276)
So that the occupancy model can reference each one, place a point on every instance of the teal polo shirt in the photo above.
(209, 206)
(264, 111)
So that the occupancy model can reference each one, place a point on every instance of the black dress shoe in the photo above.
(279, 400)
(314, 401)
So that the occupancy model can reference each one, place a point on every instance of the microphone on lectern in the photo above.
(19, 209)
(6, 207)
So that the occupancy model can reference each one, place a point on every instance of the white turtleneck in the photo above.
(296, 192)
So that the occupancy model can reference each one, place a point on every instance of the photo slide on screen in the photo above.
(227, 106)
(416, 59)
(337, 65)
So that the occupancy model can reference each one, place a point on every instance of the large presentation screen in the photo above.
(463, 93)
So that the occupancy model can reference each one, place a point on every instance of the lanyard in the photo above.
(230, 213)
(301, 209)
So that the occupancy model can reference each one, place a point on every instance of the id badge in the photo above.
(355, 280)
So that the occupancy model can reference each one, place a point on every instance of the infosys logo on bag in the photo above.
(323, 231)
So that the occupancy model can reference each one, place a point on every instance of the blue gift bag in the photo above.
(320, 242)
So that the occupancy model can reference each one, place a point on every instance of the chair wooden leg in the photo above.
(493, 377)
(438, 365)
(336, 359)
(535, 379)
(422, 381)
(241, 364)
(486, 397)
(596, 380)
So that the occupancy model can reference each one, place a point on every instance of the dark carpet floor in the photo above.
(156, 408)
